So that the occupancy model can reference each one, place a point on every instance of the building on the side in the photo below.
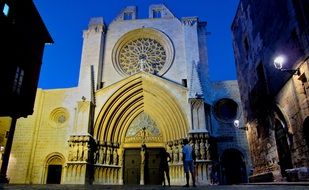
(271, 46)
(23, 36)
(143, 87)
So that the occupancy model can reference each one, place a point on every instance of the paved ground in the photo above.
(153, 187)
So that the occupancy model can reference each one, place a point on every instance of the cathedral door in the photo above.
(132, 166)
(54, 174)
(284, 154)
(152, 167)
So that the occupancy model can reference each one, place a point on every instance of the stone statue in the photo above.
(75, 152)
(175, 153)
(101, 148)
(86, 150)
(180, 152)
(207, 150)
(115, 156)
(103, 155)
(80, 151)
(108, 156)
(197, 150)
(202, 150)
(96, 157)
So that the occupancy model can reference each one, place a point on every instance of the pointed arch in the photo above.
(54, 159)
(140, 94)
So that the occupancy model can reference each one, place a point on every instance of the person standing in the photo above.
(164, 159)
(188, 162)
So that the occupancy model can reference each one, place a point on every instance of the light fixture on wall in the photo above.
(236, 124)
(278, 63)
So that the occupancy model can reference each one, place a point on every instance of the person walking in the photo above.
(188, 162)
(164, 159)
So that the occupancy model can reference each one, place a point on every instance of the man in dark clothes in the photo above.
(164, 168)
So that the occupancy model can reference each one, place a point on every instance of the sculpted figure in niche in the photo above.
(86, 150)
(80, 151)
(75, 152)
(202, 150)
(108, 156)
(197, 150)
(180, 152)
(96, 156)
(104, 154)
(207, 150)
(120, 153)
(175, 153)
(115, 156)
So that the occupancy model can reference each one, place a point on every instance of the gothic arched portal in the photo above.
(141, 94)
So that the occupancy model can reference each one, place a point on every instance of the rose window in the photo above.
(143, 54)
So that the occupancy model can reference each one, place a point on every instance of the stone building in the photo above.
(271, 46)
(143, 86)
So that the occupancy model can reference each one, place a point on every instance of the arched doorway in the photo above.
(233, 168)
(306, 131)
(283, 149)
(141, 111)
(53, 168)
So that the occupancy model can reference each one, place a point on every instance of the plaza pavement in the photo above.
(270, 186)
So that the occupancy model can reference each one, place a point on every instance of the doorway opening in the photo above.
(283, 149)
(54, 174)
(132, 166)
(233, 168)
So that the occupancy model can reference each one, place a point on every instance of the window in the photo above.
(184, 82)
(6, 9)
(156, 14)
(19, 75)
(127, 16)
(226, 109)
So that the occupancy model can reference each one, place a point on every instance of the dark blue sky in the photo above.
(66, 19)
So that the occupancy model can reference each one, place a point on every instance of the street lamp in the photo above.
(278, 63)
(236, 124)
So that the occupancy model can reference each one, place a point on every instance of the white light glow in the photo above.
(278, 62)
(236, 123)
(6, 9)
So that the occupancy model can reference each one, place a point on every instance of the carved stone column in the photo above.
(79, 160)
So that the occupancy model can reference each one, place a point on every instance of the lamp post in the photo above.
(278, 63)
(236, 124)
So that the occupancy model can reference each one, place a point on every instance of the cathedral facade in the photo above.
(144, 86)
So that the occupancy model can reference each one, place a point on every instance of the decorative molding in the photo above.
(189, 21)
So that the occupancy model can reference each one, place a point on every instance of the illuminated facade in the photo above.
(142, 81)
(275, 100)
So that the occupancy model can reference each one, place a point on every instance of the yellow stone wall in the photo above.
(40, 136)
